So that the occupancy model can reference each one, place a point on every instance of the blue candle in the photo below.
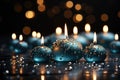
(94, 52)
(65, 50)
(87, 34)
(105, 37)
(79, 38)
(21, 47)
(13, 42)
(41, 53)
(115, 45)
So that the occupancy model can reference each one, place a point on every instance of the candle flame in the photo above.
(87, 28)
(42, 40)
(34, 34)
(105, 28)
(116, 37)
(66, 31)
(38, 34)
(20, 37)
(42, 77)
(58, 31)
(75, 30)
(95, 38)
(13, 36)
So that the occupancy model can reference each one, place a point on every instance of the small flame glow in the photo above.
(38, 35)
(20, 37)
(95, 38)
(94, 75)
(14, 36)
(105, 28)
(87, 28)
(58, 31)
(42, 40)
(116, 37)
(34, 34)
(42, 77)
(75, 30)
(66, 31)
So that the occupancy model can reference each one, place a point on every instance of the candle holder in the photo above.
(94, 53)
(65, 50)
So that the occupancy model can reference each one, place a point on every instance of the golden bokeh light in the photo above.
(75, 30)
(69, 4)
(78, 7)
(77, 18)
(104, 17)
(41, 8)
(29, 14)
(116, 37)
(105, 28)
(13, 36)
(40, 2)
(87, 28)
(26, 30)
(68, 14)
(58, 31)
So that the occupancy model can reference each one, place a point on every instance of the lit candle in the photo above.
(41, 53)
(34, 40)
(13, 42)
(56, 36)
(94, 52)
(88, 34)
(105, 37)
(115, 45)
(79, 38)
(21, 47)
(66, 49)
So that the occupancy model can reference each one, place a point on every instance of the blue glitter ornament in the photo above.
(67, 50)
(41, 54)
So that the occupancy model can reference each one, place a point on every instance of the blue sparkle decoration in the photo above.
(94, 53)
(41, 54)
(115, 47)
(65, 50)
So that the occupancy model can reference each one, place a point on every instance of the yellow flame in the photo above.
(75, 30)
(58, 31)
(116, 37)
(38, 34)
(87, 28)
(42, 77)
(34, 34)
(105, 28)
(14, 36)
(95, 38)
(94, 75)
(42, 40)
(20, 37)
(21, 70)
(66, 31)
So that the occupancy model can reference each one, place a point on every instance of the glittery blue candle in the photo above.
(65, 50)
(79, 38)
(41, 53)
(87, 34)
(94, 52)
(115, 45)
(13, 42)
(21, 47)
(105, 37)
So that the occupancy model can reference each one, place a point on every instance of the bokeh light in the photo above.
(40, 2)
(78, 7)
(41, 8)
(29, 14)
(104, 17)
(68, 13)
(18, 8)
(77, 18)
(55, 10)
(69, 4)
(26, 30)
(118, 14)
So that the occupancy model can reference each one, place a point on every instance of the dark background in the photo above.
(13, 21)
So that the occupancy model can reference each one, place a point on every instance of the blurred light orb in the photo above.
(78, 7)
(26, 30)
(29, 14)
(118, 14)
(69, 4)
(18, 8)
(68, 14)
(77, 18)
(41, 8)
(104, 17)
(40, 2)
